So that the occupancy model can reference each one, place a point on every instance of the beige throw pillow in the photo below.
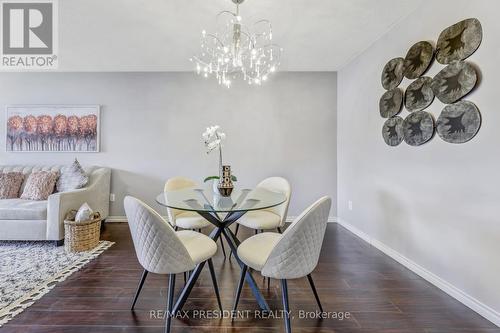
(10, 184)
(40, 185)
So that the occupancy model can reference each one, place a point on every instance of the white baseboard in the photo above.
(469, 301)
(289, 219)
(116, 218)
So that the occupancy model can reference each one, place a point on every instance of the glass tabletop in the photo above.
(205, 200)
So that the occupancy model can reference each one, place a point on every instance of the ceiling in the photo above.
(161, 35)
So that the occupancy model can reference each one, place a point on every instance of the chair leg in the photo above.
(214, 282)
(268, 282)
(240, 286)
(185, 277)
(223, 248)
(279, 230)
(139, 287)
(311, 282)
(170, 302)
(286, 307)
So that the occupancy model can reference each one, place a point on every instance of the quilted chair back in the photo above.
(156, 244)
(297, 252)
(173, 184)
(280, 185)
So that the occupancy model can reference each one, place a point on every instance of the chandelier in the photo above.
(236, 50)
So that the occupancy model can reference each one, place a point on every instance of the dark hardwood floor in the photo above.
(379, 294)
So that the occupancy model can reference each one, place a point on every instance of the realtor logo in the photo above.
(29, 36)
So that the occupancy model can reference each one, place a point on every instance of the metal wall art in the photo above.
(459, 122)
(454, 81)
(418, 59)
(392, 75)
(419, 94)
(418, 128)
(391, 102)
(459, 41)
(392, 132)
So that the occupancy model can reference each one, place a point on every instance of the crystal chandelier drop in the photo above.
(237, 51)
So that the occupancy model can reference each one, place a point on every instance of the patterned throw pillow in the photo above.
(40, 185)
(10, 184)
(72, 178)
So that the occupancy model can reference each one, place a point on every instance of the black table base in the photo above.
(221, 228)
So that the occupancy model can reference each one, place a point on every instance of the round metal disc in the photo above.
(418, 128)
(392, 74)
(392, 131)
(454, 81)
(419, 94)
(391, 102)
(418, 59)
(459, 122)
(459, 41)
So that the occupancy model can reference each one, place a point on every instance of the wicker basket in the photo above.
(81, 236)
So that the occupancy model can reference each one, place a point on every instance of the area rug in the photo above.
(29, 270)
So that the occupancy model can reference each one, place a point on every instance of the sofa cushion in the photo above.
(72, 177)
(20, 209)
(40, 185)
(10, 184)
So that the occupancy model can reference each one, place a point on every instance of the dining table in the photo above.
(222, 212)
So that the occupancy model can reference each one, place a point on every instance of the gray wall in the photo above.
(437, 204)
(152, 125)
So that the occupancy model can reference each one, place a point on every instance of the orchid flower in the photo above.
(213, 138)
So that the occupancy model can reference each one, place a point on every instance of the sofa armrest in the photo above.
(96, 195)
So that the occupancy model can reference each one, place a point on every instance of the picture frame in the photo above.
(53, 128)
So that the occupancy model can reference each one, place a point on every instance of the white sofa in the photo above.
(44, 220)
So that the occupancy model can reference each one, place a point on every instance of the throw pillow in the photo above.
(72, 178)
(10, 184)
(40, 185)
(84, 213)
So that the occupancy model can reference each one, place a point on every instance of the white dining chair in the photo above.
(271, 218)
(291, 255)
(162, 250)
(184, 219)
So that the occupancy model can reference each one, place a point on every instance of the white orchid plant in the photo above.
(213, 138)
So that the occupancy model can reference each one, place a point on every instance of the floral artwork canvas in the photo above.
(52, 128)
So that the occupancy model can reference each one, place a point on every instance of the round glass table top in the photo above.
(205, 200)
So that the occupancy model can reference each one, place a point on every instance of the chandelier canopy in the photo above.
(236, 50)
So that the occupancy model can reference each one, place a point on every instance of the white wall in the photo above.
(437, 204)
(152, 125)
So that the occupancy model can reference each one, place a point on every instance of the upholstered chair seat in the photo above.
(261, 220)
(255, 250)
(190, 220)
(199, 246)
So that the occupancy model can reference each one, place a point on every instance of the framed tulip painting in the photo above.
(52, 128)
